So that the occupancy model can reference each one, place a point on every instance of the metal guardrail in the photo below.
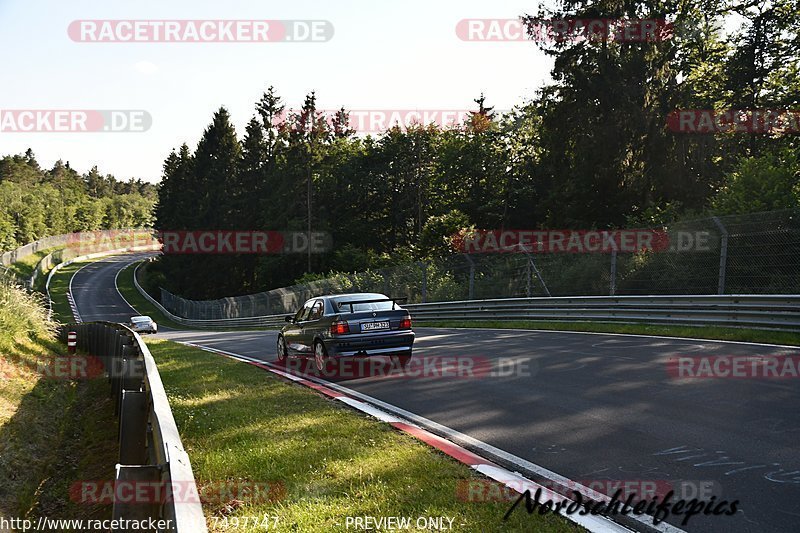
(754, 253)
(744, 310)
(150, 448)
(753, 311)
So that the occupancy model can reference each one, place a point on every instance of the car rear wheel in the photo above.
(320, 357)
(401, 361)
(281, 350)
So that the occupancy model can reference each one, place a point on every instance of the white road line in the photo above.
(116, 286)
(77, 315)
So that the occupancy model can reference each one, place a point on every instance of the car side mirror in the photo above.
(290, 319)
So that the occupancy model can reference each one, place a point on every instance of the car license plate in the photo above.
(375, 326)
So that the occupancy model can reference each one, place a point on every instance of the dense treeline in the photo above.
(36, 203)
(591, 150)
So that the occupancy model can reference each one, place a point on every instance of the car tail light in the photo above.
(405, 323)
(340, 328)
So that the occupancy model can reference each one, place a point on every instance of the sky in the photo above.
(383, 55)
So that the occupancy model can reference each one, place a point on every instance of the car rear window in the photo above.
(361, 307)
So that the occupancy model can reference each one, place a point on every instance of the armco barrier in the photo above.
(751, 311)
(150, 448)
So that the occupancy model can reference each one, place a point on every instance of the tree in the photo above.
(215, 175)
(435, 241)
(764, 183)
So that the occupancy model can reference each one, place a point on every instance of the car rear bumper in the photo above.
(371, 344)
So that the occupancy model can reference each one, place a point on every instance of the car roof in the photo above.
(140, 318)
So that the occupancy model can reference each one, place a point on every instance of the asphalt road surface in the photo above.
(591, 407)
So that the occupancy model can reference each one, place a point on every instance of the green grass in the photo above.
(24, 268)
(59, 286)
(239, 423)
(699, 332)
(53, 432)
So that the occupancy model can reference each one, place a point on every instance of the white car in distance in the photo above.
(143, 324)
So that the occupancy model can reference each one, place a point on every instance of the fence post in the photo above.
(424, 266)
(471, 276)
(535, 269)
(613, 287)
(527, 276)
(723, 254)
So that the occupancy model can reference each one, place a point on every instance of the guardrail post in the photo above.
(130, 477)
(723, 254)
(133, 428)
(613, 283)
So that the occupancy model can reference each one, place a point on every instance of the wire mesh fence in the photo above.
(739, 254)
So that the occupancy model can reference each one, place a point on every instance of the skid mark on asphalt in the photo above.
(779, 475)
(614, 344)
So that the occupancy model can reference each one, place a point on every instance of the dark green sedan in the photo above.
(347, 325)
